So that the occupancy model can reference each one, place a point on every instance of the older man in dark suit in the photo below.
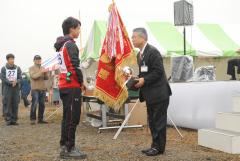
(154, 89)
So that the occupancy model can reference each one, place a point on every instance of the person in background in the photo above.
(38, 75)
(11, 80)
(56, 95)
(3, 102)
(232, 63)
(231, 68)
(48, 84)
(2, 95)
(25, 89)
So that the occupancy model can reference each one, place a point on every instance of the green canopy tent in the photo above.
(202, 39)
(93, 46)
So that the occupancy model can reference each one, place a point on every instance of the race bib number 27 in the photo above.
(11, 75)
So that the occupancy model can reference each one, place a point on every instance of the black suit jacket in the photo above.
(156, 87)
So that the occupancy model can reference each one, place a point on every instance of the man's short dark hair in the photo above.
(8, 56)
(68, 23)
(142, 32)
(37, 57)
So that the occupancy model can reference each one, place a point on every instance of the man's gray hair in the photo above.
(142, 32)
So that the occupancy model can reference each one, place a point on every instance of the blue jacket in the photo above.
(25, 87)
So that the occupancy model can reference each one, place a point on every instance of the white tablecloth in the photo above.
(195, 104)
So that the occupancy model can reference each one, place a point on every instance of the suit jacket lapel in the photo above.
(146, 53)
(138, 59)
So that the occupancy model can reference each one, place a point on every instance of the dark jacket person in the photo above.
(11, 79)
(154, 89)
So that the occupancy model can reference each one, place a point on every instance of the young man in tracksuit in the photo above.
(70, 84)
(11, 79)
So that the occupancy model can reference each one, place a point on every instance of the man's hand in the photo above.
(14, 83)
(44, 70)
(140, 83)
(83, 88)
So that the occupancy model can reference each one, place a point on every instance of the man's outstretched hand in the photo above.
(140, 83)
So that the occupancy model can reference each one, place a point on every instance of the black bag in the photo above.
(131, 83)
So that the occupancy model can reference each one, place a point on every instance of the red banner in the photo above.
(117, 52)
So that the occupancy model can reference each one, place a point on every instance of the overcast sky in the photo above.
(29, 27)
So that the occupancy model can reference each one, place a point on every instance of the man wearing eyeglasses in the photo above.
(154, 89)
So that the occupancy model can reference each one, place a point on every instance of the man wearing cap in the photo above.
(38, 75)
(11, 79)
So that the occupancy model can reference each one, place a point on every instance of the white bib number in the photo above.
(11, 75)
(61, 62)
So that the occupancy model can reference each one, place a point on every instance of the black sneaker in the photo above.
(14, 123)
(154, 152)
(144, 151)
(74, 154)
(42, 122)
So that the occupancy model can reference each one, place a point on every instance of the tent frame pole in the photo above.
(184, 40)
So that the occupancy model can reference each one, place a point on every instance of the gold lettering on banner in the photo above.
(105, 59)
(103, 74)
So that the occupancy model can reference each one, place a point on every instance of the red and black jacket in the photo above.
(71, 59)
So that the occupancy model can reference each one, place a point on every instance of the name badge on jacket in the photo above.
(144, 68)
